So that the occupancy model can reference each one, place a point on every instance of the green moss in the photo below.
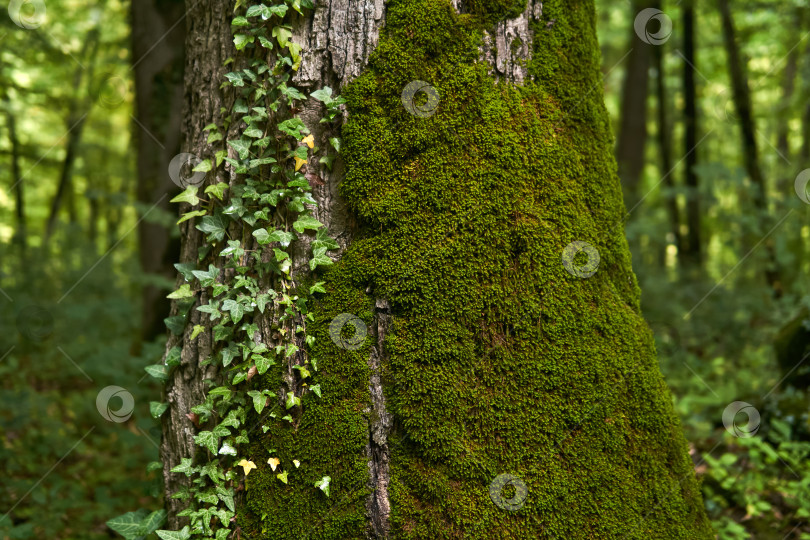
(499, 361)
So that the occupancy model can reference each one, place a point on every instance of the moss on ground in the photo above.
(499, 360)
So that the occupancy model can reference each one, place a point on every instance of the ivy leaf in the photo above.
(188, 215)
(262, 363)
(182, 534)
(185, 467)
(306, 222)
(282, 35)
(259, 400)
(227, 450)
(320, 260)
(324, 95)
(183, 292)
(203, 166)
(197, 330)
(158, 371)
(323, 484)
(292, 400)
(226, 496)
(156, 409)
(247, 466)
(128, 525)
(266, 43)
(241, 147)
(214, 227)
(208, 440)
(217, 190)
(240, 21)
(318, 287)
(173, 356)
(154, 466)
(282, 476)
(316, 389)
(185, 269)
(294, 127)
(188, 195)
(152, 522)
(241, 41)
(229, 353)
(236, 309)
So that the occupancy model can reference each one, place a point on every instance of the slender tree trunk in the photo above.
(742, 105)
(77, 116)
(692, 255)
(665, 150)
(488, 351)
(157, 54)
(632, 136)
(21, 235)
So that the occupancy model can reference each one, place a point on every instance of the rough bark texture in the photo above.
(158, 33)
(484, 355)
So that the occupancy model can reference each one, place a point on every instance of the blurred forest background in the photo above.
(712, 126)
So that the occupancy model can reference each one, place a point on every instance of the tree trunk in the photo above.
(632, 136)
(742, 105)
(692, 254)
(490, 348)
(665, 151)
(158, 32)
(20, 236)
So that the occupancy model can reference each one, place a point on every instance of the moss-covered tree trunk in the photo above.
(503, 383)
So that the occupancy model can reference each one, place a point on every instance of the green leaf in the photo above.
(227, 450)
(319, 260)
(324, 95)
(316, 389)
(154, 466)
(259, 399)
(262, 363)
(185, 467)
(306, 222)
(226, 496)
(282, 35)
(335, 142)
(208, 440)
(294, 127)
(173, 356)
(188, 195)
(182, 534)
(152, 522)
(188, 215)
(229, 353)
(282, 476)
(156, 409)
(236, 309)
(266, 43)
(185, 269)
(128, 525)
(240, 21)
(323, 484)
(318, 287)
(241, 147)
(214, 227)
(198, 329)
(158, 371)
(292, 400)
(203, 166)
(217, 190)
(241, 41)
(183, 292)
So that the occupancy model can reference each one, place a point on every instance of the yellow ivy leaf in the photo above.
(309, 140)
(247, 465)
(274, 462)
(296, 463)
(299, 162)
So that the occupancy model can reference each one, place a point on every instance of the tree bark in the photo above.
(20, 236)
(158, 33)
(484, 355)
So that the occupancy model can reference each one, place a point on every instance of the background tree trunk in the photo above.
(158, 33)
(484, 355)
(692, 254)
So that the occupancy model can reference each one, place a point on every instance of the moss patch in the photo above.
(499, 360)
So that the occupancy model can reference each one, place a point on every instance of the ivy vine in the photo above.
(245, 269)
